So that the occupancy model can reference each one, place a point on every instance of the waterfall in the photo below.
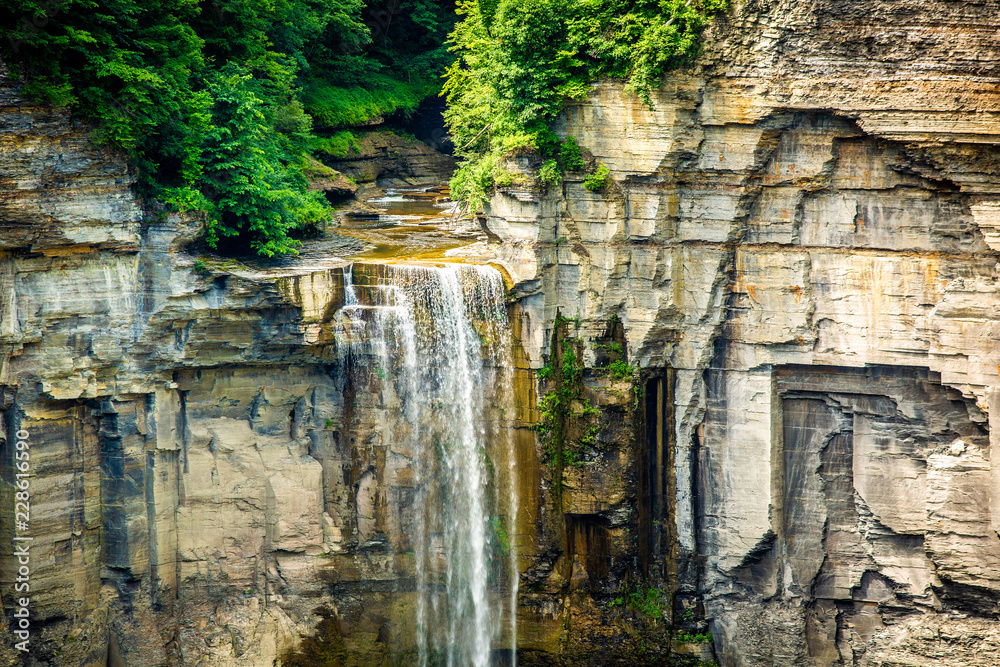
(439, 339)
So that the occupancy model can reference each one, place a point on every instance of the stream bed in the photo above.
(416, 223)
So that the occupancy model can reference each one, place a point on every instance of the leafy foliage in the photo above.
(334, 107)
(570, 155)
(647, 600)
(215, 100)
(518, 63)
(340, 144)
(598, 179)
(619, 369)
(564, 410)
(549, 174)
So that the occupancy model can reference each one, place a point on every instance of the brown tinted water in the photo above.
(411, 224)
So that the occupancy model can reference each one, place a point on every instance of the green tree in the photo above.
(214, 99)
(518, 63)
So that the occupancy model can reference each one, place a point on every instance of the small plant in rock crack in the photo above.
(570, 155)
(599, 179)
(647, 600)
(620, 370)
(549, 175)
(613, 348)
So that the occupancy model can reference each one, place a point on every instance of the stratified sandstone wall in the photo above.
(201, 495)
(393, 160)
(803, 229)
(799, 249)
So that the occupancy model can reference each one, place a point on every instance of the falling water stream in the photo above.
(439, 335)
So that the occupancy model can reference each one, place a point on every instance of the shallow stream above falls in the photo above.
(416, 223)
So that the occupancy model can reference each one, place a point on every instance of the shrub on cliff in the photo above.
(214, 100)
(518, 63)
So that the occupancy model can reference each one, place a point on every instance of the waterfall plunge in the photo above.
(440, 336)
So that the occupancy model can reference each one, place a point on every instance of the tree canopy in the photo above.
(519, 62)
(219, 102)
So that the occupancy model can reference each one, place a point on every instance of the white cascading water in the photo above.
(440, 335)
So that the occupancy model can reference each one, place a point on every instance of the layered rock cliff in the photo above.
(798, 253)
(191, 453)
(800, 237)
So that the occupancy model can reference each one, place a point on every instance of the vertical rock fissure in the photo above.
(113, 489)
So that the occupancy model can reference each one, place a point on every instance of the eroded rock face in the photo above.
(802, 230)
(393, 160)
(798, 250)
(201, 494)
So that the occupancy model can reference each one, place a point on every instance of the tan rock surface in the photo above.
(804, 228)
(801, 242)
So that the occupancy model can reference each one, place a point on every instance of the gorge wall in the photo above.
(799, 253)
(801, 235)
(201, 492)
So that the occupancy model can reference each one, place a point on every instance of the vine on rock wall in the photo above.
(562, 404)
(569, 423)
